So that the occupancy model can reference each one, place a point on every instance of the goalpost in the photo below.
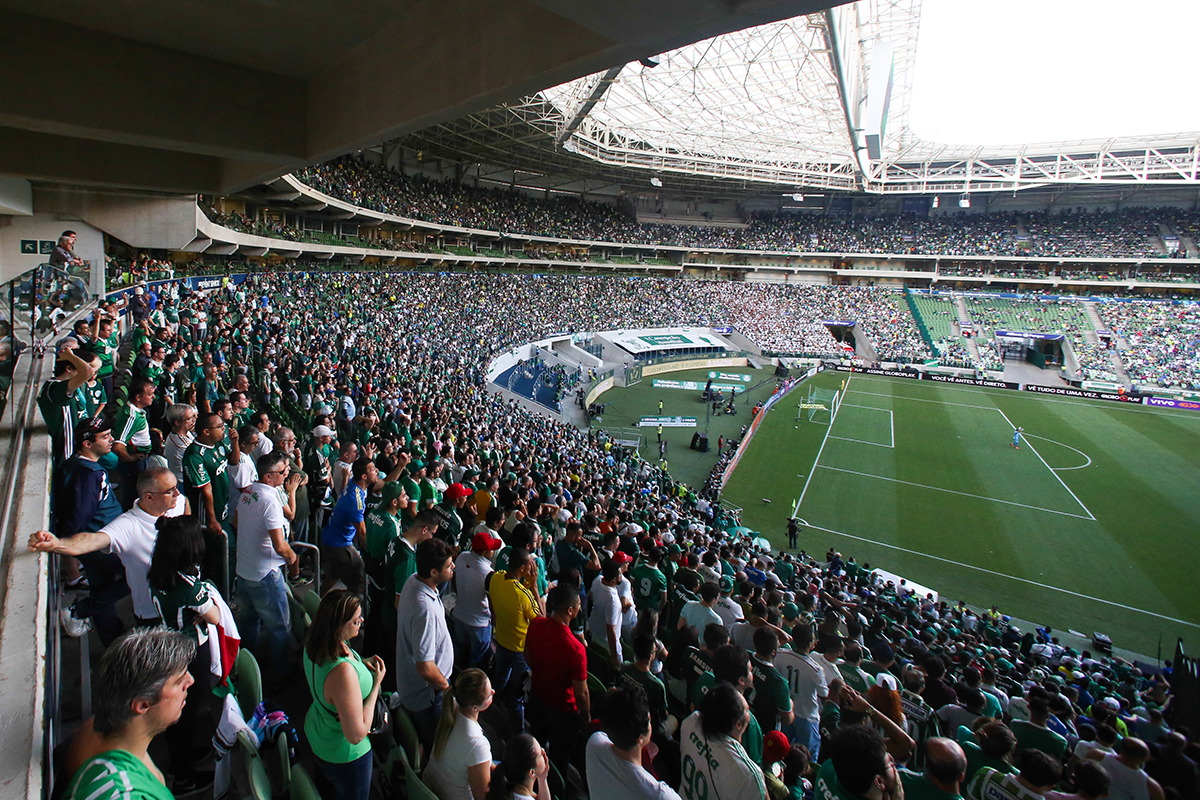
(819, 406)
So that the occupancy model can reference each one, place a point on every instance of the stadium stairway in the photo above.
(1189, 246)
(973, 348)
(1160, 241)
(965, 324)
(1119, 366)
(964, 316)
(864, 348)
(1093, 316)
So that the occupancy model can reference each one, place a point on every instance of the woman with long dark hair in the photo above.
(344, 687)
(522, 775)
(185, 603)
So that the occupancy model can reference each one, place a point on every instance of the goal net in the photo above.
(819, 406)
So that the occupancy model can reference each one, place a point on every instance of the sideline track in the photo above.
(813, 470)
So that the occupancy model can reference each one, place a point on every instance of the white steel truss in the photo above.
(781, 104)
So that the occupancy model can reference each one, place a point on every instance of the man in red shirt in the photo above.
(559, 704)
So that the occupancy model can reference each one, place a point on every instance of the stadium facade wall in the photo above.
(44, 229)
(600, 388)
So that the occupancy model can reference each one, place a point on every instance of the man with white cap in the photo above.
(315, 460)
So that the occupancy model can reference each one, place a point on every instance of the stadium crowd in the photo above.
(1129, 233)
(1163, 339)
(486, 571)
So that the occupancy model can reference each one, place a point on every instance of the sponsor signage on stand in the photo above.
(667, 422)
(1167, 402)
(1070, 391)
(658, 383)
(972, 381)
(890, 373)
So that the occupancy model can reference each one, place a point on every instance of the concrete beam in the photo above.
(97, 108)
(71, 81)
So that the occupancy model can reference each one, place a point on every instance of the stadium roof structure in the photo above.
(786, 104)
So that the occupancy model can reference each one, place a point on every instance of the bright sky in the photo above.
(993, 72)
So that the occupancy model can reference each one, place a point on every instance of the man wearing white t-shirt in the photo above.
(130, 536)
(472, 614)
(262, 548)
(614, 754)
(244, 473)
(604, 622)
(624, 595)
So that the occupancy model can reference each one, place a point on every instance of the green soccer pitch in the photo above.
(626, 406)
(1092, 525)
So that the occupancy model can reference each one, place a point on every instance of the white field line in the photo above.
(862, 441)
(955, 491)
(891, 422)
(1005, 575)
(1060, 444)
(1047, 466)
(1017, 395)
(813, 471)
(920, 400)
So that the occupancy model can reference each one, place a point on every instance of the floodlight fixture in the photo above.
(656, 182)
(964, 201)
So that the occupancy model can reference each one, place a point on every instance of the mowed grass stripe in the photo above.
(1147, 509)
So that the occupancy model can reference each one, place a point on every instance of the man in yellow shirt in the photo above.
(513, 605)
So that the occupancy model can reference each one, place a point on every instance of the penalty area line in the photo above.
(1005, 575)
(1047, 466)
(955, 491)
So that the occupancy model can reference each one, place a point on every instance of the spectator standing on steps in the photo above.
(85, 500)
(130, 536)
(559, 702)
(262, 550)
(424, 648)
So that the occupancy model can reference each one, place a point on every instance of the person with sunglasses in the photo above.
(130, 536)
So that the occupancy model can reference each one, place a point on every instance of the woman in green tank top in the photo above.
(344, 688)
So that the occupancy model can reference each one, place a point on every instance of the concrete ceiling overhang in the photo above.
(222, 95)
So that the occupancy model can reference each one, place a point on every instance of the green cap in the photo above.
(391, 491)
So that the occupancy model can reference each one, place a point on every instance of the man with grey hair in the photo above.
(131, 536)
(182, 419)
(139, 691)
(285, 441)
